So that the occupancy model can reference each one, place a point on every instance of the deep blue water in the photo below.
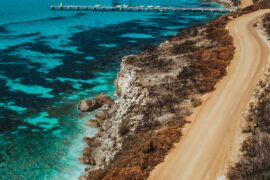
(51, 59)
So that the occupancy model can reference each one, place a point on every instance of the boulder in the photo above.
(103, 114)
(91, 142)
(93, 123)
(89, 105)
(105, 99)
(87, 157)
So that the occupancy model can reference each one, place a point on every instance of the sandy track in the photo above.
(246, 3)
(207, 146)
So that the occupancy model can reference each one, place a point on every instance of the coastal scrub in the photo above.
(157, 90)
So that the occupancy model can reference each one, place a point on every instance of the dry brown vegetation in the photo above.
(209, 64)
(255, 163)
(175, 74)
(266, 24)
(139, 154)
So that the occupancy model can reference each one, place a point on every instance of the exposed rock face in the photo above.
(95, 103)
(157, 90)
(87, 157)
(125, 78)
(93, 123)
(110, 121)
(84, 105)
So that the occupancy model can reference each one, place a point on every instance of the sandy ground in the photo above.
(246, 3)
(213, 136)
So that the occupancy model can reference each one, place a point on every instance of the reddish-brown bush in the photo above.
(139, 155)
(130, 173)
(209, 67)
(148, 144)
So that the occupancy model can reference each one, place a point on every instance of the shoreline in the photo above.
(116, 132)
(129, 83)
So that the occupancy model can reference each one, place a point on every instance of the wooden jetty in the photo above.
(138, 8)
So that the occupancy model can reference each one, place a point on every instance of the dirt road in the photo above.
(246, 3)
(206, 147)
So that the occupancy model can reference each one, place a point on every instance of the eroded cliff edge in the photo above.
(157, 90)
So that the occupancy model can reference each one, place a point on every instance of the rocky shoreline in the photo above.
(157, 89)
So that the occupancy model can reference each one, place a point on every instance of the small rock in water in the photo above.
(92, 123)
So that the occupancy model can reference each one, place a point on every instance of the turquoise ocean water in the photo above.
(49, 60)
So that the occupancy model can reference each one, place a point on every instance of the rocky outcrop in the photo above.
(93, 123)
(87, 157)
(95, 103)
(109, 119)
(125, 78)
(157, 89)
